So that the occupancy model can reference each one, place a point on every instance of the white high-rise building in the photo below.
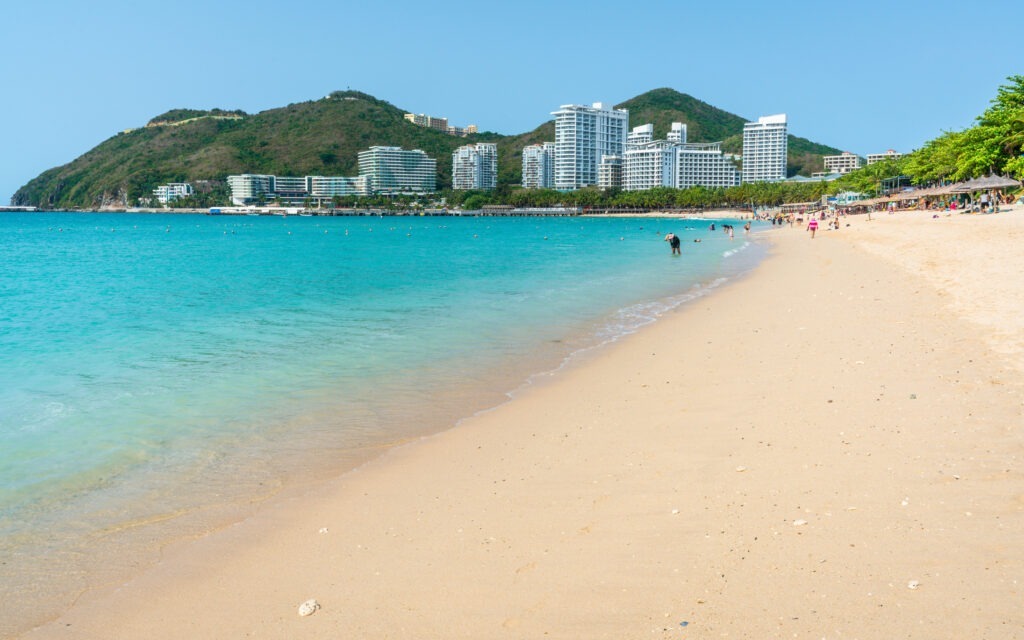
(704, 165)
(649, 165)
(475, 166)
(392, 170)
(582, 136)
(677, 133)
(844, 163)
(764, 149)
(640, 135)
(609, 172)
(674, 162)
(539, 166)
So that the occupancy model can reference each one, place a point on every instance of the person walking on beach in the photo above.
(812, 226)
(674, 242)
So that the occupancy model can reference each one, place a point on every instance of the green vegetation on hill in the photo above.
(321, 137)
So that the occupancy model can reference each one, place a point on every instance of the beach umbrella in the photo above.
(987, 182)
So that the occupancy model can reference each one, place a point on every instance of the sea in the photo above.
(163, 375)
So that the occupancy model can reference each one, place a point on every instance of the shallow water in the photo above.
(156, 368)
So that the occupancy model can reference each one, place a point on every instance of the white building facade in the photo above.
(582, 136)
(539, 166)
(392, 170)
(331, 186)
(170, 192)
(705, 165)
(649, 165)
(879, 157)
(251, 188)
(765, 144)
(674, 162)
(475, 166)
(609, 172)
(844, 163)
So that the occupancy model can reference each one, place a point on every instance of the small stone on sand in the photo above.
(308, 607)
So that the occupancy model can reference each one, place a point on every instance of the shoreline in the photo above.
(121, 550)
(603, 503)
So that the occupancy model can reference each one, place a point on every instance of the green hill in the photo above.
(323, 137)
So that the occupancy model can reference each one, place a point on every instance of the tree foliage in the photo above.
(993, 145)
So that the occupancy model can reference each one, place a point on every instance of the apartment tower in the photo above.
(539, 166)
(764, 149)
(582, 136)
(475, 166)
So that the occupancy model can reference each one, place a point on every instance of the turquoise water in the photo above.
(153, 365)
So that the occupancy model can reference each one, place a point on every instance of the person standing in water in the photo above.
(674, 242)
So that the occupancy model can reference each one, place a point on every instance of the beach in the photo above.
(829, 447)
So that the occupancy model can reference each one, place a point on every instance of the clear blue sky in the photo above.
(862, 76)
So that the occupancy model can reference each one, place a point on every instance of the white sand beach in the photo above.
(828, 448)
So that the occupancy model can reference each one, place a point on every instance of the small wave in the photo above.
(732, 252)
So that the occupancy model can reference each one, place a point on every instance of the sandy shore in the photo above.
(829, 448)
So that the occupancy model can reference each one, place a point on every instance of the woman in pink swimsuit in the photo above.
(812, 226)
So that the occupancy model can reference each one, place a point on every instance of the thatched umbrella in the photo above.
(988, 182)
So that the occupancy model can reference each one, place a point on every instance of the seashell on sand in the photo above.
(308, 607)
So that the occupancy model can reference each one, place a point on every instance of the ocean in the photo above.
(160, 375)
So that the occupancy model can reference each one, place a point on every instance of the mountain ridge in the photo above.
(323, 137)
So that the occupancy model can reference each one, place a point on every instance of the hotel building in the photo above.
(475, 166)
(328, 187)
(879, 157)
(430, 122)
(251, 189)
(609, 172)
(677, 133)
(391, 170)
(844, 163)
(440, 124)
(705, 165)
(169, 192)
(539, 166)
(582, 136)
(640, 136)
(674, 162)
(764, 149)
(648, 165)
